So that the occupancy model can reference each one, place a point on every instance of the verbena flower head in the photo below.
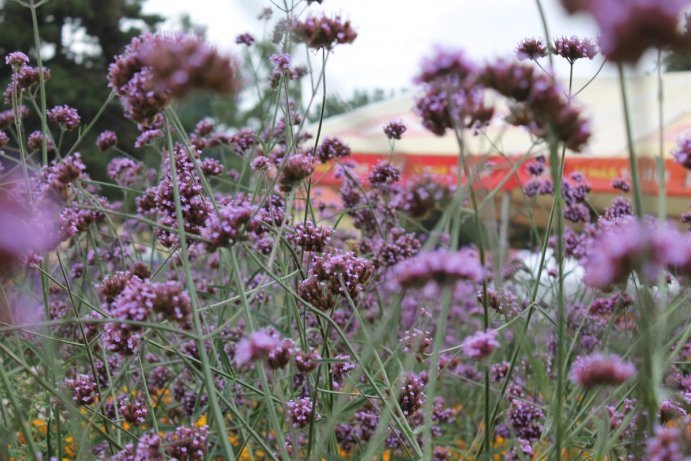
(296, 168)
(621, 184)
(384, 174)
(526, 419)
(307, 361)
(480, 344)
(257, 346)
(412, 394)
(545, 108)
(629, 28)
(187, 443)
(323, 32)
(124, 171)
(65, 116)
(600, 369)
(669, 443)
(343, 272)
(244, 39)
(626, 245)
(300, 411)
(312, 238)
(440, 266)
(106, 140)
(531, 49)
(332, 148)
(182, 62)
(16, 59)
(83, 389)
(231, 224)
(446, 66)
(574, 48)
(394, 130)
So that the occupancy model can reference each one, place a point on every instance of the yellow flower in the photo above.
(41, 425)
(201, 421)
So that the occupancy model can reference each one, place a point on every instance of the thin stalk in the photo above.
(41, 83)
(637, 194)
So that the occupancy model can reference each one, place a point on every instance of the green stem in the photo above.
(637, 195)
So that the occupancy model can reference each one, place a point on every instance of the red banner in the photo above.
(510, 173)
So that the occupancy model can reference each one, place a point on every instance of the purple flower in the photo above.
(331, 148)
(187, 443)
(383, 174)
(544, 105)
(312, 238)
(531, 48)
(628, 29)
(106, 140)
(412, 396)
(244, 39)
(683, 152)
(343, 272)
(627, 245)
(16, 59)
(526, 420)
(229, 225)
(574, 48)
(180, 63)
(621, 184)
(124, 171)
(260, 163)
(149, 448)
(83, 389)
(600, 369)
(307, 361)
(668, 444)
(440, 266)
(395, 130)
(257, 346)
(35, 141)
(295, 168)
(134, 410)
(447, 66)
(417, 341)
(300, 411)
(341, 367)
(65, 116)
(323, 32)
(480, 344)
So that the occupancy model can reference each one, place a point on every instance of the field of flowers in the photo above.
(211, 306)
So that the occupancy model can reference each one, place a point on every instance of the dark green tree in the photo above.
(78, 40)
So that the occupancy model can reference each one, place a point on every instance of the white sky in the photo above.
(393, 35)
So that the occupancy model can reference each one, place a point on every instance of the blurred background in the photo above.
(80, 38)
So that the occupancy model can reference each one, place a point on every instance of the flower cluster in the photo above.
(323, 32)
(440, 266)
(599, 369)
(628, 29)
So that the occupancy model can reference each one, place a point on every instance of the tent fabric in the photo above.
(505, 148)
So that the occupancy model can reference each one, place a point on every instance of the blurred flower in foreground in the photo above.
(628, 245)
(24, 230)
(629, 28)
(683, 152)
(441, 267)
(600, 369)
